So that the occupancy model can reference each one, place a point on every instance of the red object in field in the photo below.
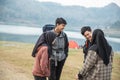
(73, 44)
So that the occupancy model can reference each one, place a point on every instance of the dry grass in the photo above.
(16, 62)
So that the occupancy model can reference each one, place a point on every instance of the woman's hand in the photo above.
(76, 77)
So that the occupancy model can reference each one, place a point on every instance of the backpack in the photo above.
(48, 27)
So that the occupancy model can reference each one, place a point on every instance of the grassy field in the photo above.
(16, 62)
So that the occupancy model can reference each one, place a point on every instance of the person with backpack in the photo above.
(57, 43)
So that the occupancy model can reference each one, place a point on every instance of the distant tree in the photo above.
(116, 25)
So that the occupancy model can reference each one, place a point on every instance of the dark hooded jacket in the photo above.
(86, 48)
(46, 39)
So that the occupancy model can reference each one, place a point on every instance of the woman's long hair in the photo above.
(100, 45)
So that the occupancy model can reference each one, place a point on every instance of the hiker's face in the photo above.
(60, 27)
(88, 35)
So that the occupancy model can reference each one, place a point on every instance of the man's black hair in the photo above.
(60, 21)
(84, 29)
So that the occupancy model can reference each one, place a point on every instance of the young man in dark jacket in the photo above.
(87, 33)
(57, 43)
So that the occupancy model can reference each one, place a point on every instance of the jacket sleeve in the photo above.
(38, 43)
(85, 49)
(89, 62)
(44, 59)
(66, 45)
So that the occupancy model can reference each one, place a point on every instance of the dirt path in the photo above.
(9, 72)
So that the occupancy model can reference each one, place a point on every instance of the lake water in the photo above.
(31, 34)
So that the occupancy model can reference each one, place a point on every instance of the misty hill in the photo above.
(34, 13)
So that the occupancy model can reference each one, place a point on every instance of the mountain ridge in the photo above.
(34, 13)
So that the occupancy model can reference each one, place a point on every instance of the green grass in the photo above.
(17, 56)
